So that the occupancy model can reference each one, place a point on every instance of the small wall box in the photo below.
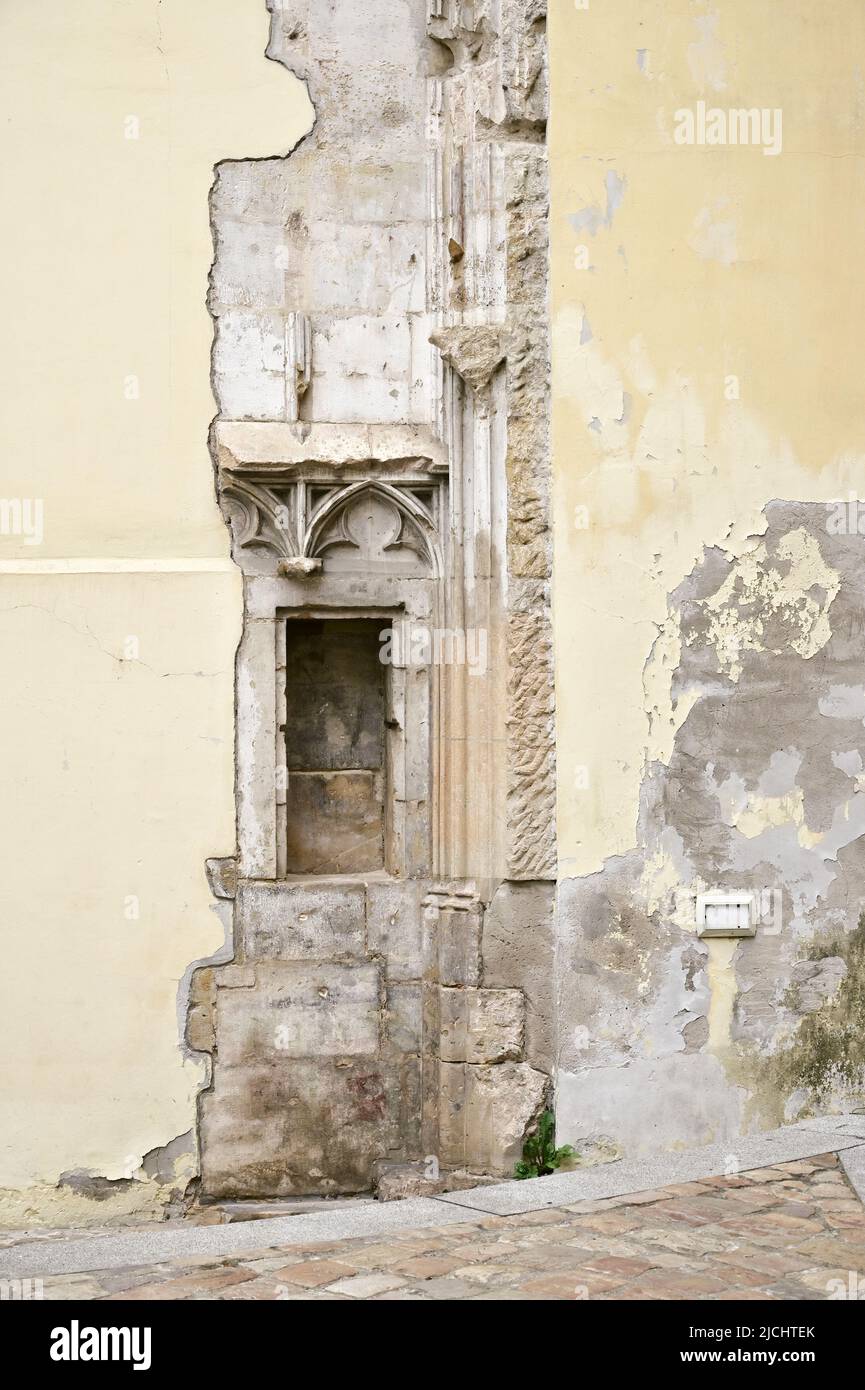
(727, 914)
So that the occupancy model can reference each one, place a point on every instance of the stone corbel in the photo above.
(475, 353)
(298, 567)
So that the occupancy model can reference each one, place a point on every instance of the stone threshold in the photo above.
(844, 1135)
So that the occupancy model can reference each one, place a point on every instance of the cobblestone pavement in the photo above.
(794, 1231)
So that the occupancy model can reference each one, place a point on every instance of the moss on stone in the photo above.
(829, 1047)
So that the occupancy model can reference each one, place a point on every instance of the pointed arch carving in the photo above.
(262, 517)
(369, 522)
(402, 523)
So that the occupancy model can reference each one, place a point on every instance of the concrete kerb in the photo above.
(659, 1170)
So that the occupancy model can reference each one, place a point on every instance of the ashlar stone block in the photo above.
(300, 1009)
(481, 1025)
(287, 921)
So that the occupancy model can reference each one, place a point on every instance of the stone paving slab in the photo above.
(793, 1231)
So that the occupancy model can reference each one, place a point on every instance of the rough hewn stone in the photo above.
(502, 1103)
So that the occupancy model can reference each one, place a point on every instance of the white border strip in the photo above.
(112, 565)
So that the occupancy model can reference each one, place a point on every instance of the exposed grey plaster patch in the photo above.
(780, 776)
(160, 1163)
(696, 1034)
(591, 219)
(93, 1185)
(755, 797)
(631, 978)
(683, 1100)
(692, 962)
(849, 762)
(843, 702)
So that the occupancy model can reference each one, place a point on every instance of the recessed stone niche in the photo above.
(335, 745)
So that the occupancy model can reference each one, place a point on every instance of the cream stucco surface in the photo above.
(119, 629)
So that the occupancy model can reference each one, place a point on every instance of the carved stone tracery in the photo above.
(382, 520)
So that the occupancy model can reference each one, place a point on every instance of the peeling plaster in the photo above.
(706, 55)
(750, 795)
(704, 633)
(591, 219)
(714, 236)
(752, 590)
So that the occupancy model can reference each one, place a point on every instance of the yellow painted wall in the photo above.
(710, 263)
(117, 766)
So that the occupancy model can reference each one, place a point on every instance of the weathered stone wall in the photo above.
(315, 1032)
(381, 452)
(381, 367)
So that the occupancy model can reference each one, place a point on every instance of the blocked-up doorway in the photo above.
(336, 701)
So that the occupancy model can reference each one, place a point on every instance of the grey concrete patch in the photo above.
(640, 1175)
(853, 1163)
(38, 1260)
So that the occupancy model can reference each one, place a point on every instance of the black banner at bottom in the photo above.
(197, 1336)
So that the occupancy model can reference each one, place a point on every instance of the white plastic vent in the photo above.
(727, 914)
